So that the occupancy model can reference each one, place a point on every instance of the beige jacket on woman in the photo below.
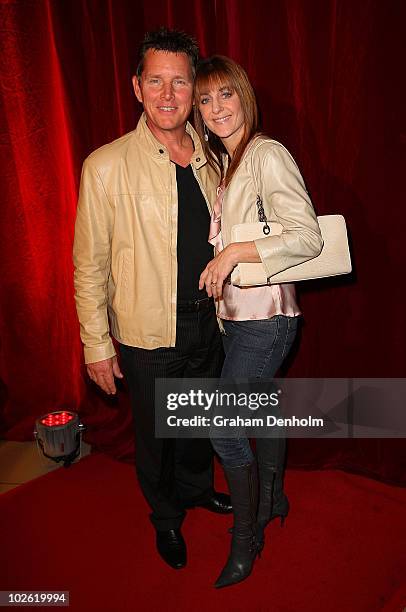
(268, 168)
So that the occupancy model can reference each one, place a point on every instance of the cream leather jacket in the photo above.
(125, 248)
(268, 168)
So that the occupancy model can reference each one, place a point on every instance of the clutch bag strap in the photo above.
(259, 203)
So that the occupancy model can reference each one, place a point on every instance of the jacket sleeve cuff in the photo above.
(270, 260)
(277, 256)
(99, 353)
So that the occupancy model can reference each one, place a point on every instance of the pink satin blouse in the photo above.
(250, 303)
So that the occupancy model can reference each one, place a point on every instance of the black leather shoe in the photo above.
(172, 547)
(220, 503)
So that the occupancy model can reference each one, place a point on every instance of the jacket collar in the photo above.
(158, 151)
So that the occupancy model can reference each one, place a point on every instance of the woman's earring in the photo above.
(206, 132)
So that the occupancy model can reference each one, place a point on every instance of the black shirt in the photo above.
(194, 252)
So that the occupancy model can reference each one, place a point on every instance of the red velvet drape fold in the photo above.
(328, 76)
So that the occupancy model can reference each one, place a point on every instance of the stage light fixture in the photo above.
(59, 436)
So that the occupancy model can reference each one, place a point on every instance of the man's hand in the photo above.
(103, 372)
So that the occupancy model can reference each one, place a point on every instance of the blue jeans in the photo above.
(254, 349)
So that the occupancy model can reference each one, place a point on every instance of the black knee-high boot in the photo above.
(243, 485)
(272, 499)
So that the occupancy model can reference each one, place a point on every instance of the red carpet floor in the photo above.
(86, 530)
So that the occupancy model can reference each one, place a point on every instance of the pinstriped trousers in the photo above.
(172, 473)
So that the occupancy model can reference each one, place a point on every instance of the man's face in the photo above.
(165, 90)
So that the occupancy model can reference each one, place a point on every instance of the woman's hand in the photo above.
(217, 270)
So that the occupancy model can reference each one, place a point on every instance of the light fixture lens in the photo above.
(57, 418)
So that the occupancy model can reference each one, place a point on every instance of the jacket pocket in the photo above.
(122, 286)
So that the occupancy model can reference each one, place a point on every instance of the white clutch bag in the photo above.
(333, 260)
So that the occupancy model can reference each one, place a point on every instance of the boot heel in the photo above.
(260, 549)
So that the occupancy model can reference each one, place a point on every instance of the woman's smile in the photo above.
(222, 113)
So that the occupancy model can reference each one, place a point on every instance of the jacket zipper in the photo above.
(172, 332)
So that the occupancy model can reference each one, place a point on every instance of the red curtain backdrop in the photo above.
(328, 76)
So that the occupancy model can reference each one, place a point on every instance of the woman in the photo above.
(259, 323)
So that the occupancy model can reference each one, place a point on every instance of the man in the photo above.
(140, 246)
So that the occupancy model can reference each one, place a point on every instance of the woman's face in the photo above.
(222, 113)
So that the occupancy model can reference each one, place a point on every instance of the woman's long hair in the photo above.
(212, 73)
